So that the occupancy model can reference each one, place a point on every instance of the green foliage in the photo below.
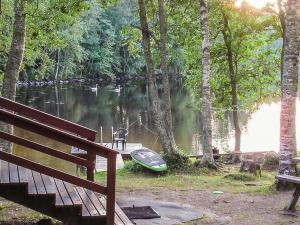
(70, 38)
(177, 161)
(240, 177)
(271, 161)
(256, 46)
(1, 78)
(133, 167)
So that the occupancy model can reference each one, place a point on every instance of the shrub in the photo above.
(133, 167)
(271, 161)
(177, 161)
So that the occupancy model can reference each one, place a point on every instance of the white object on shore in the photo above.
(94, 88)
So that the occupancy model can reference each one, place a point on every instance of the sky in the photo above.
(257, 3)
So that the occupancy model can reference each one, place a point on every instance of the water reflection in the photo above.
(107, 108)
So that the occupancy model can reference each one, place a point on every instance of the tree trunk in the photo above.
(14, 62)
(154, 98)
(232, 73)
(165, 78)
(206, 105)
(288, 145)
(57, 63)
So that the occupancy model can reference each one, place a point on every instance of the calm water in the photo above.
(130, 108)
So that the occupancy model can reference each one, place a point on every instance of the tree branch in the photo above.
(148, 32)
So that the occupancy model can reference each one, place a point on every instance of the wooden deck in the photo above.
(101, 163)
(54, 197)
(125, 153)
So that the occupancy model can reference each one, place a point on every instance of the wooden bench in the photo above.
(296, 181)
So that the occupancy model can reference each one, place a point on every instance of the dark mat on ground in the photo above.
(141, 212)
(171, 212)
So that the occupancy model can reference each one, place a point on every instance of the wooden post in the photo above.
(90, 171)
(111, 188)
(101, 134)
(112, 137)
(292, 204)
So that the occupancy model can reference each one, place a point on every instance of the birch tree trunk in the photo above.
(158, 115)
(208, 158)
(165, 78)
(14, 62)
(288, 145)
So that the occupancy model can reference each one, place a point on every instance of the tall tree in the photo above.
(16, 53)
(227, 35)
(164, 69)
(14, 61)
(153, 91)
(288, 145)
(205, 86)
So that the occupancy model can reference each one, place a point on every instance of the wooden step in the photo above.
(56, 198)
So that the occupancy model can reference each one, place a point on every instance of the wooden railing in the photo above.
(48, 119)
(66, 132)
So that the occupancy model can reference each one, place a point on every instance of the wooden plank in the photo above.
(291, 179)
(58, 200)
(101, 210)
(124, 153)
(63, 193)
(23, 174)
(31, 185)
(84, 212)
(45, 149)
(49, 186)
(39, 184)
(102, 201)
(120, 217)
(13, 173)
(87, 202)
(54, 133)
(4, 172)
(293, 202)
(296, 159)
(72, 193)
(48, 119)
(52, 172)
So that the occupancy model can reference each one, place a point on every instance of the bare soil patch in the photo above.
(228, 208)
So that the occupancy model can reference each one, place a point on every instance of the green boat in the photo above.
(149, 159)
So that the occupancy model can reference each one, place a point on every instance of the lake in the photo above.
(130, 108)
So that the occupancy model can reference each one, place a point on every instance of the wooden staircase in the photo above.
(56, 198)
(65, 197)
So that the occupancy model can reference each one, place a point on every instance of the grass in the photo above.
(12, 212)
(230, 181)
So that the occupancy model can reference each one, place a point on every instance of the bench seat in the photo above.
(293, 180)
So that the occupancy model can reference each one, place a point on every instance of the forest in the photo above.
(68, 40)
(230, 56)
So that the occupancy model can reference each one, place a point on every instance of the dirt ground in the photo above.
(233, 209)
